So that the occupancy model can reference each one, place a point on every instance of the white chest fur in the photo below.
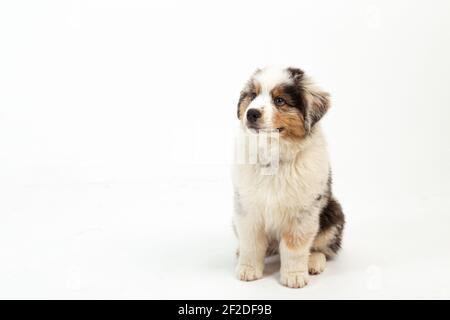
(288, 191)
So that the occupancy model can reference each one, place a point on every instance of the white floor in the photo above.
(173, 239)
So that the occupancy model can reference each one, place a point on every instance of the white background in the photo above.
(116, 130)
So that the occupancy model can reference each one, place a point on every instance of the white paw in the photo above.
(249, 273)
(294, 279)
(316, 263)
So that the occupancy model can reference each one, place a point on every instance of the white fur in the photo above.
(263, 102)
(271, 207)
(272, 76)
(316, 262)
(268, 79)
(269, 203)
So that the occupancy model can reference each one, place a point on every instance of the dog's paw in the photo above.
(248, 273)
(316, 263)
(294, 279)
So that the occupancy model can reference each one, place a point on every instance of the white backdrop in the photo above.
(116, 126)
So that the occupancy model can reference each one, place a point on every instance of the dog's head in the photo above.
(282, 99)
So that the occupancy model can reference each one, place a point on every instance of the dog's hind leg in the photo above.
(328, 241)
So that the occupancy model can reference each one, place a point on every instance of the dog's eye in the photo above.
(279, 101)
(253, 95)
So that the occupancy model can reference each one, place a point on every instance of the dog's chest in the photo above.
(286, 190)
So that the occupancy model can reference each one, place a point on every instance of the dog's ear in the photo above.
(296, 74)
(317, 103)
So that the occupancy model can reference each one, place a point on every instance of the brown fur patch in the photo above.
(291, 121)
(244, 101)
(279, 91)
(288, 117)
(257, 88)
(292, 242)
(323, 239)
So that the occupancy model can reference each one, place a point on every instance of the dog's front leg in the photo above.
(295, 245)
(252, 248)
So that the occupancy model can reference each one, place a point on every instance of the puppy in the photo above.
(283, 199)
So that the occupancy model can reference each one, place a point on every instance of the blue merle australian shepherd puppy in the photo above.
(290, 211)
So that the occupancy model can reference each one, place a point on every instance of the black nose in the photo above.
(253, 115)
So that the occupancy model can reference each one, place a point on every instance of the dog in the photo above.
(291, 210)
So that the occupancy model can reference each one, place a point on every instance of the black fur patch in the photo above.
(296, 99)
(321, 101)
(296, 74)
(331, 215)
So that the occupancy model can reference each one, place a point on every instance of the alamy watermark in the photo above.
(262, 149)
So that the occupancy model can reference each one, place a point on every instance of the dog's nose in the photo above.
(253, 115)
